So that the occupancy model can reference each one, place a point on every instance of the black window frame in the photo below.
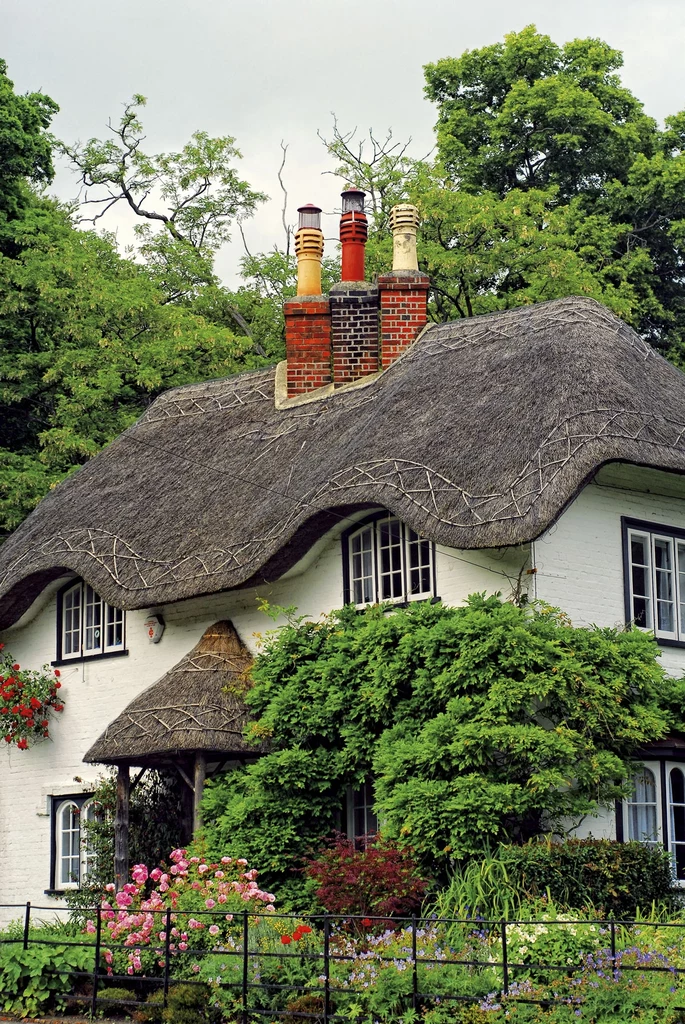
(646, 526)
(371, 520)
(100, 655)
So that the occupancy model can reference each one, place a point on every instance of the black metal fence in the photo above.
(256, 995)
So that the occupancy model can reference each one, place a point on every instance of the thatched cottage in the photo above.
(542, 448)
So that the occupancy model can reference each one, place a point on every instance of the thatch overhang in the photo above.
(196, 707)
(478, 436)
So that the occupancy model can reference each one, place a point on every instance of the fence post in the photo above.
(96, 965)
(246, 936)
(326, 969)
(415, 976)
(167, 954)
(27, 924)
(505, 962)
(613, 940)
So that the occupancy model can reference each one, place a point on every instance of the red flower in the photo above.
(4, 711)
(15, 668)
(8, 739)
(22, 744)
(59, 707)
(366, 922)
(57, 686)
(44, 723)
(57, 673)
(35, 703)
(304, 929)
(286, 940)
(296, 936)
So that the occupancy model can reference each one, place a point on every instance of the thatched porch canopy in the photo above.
(195, 707)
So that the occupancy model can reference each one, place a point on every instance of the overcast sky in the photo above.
(266, 70)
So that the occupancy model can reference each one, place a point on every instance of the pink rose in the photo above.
(210, 904)
(226, 860)
(202, 868)
(213, 929)
(155, 874)
(183, 946)
(139, 873)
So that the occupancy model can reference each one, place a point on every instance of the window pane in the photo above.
(114, 627)
(642, 809)
(361, 567)
(664, 584)
(71, 622)
(677, 821)
(420, 564)
(68, 845)
(390, 553)
(93, 620)
(641, 580)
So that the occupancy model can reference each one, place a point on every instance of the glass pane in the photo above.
(93, 620)
(114, 633)
(362, 567)
(664, 585)
(420, 567)
(71, 621)
(642, 809)
(390, 551)
(677, 786)
(68, 845)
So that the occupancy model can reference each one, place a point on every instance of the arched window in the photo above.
(90, 812)
(642, 809)
(68, 842)
(88, 625)
(676, 808)
(385, 560)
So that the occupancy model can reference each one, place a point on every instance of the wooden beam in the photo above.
(121, 827)
(137, 779)
(200, 775)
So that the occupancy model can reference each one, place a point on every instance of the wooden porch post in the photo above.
(199, 785)
(121, 827)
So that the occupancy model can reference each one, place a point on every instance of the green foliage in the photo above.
(25, 146)
(116, 1001)
(156, 825)
(480, 724)
(189, 1004)
(36, 980)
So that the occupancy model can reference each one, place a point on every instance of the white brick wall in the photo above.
(579, 568)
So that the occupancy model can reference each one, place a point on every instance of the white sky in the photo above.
(266, 70)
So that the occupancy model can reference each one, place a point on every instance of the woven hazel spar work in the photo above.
(196, 706)
(478, 436)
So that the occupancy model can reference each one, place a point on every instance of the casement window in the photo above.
(87, 625)
(385, 560)
(72, 858)
(655, 812)
(654, 559)
(362, 821)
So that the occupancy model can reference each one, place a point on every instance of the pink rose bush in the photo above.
(202, 899)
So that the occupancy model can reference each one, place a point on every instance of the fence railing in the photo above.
(257, 987)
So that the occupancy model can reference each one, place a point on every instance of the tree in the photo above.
(25, 145)
(89, 339)
(480, 724)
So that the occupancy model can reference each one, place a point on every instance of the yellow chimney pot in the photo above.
(309, 251)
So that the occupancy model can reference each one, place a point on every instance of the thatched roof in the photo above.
(196, 706)
(477, 437)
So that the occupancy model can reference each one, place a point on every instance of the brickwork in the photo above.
(307, 343)
(403, 300)
(354, 330)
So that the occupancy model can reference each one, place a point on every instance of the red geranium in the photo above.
(27, 698)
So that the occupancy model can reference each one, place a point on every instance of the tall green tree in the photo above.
(25, 145)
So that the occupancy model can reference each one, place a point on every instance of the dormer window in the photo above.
(87, 625)
(385, 560)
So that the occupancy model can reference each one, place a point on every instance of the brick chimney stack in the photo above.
(403, 292)
(308, 317)
(354, 303)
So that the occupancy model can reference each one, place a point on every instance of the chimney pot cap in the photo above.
(353, 199)
(310, 216)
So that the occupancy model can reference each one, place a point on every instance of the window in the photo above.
(658, 794)
(385, 560)
(655, 579)
(361, 817)
(88, 626)
(73, 859)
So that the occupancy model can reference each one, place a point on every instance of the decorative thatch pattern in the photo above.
(194, 707)
(477, 437)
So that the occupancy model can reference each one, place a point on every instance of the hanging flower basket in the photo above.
(28, 698)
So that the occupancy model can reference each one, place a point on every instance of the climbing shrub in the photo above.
(481, 724)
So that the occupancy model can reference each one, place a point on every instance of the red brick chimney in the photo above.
(360, 328)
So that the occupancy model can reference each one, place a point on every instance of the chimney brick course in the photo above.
(307, 343)
(354, 330)
(403, 313)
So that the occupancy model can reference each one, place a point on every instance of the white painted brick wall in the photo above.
(579, 568)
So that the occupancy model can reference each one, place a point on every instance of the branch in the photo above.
(286, 227)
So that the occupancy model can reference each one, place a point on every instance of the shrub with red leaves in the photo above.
(379, 880)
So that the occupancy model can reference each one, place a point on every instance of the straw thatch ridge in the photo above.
(478, 436)
(196, 706)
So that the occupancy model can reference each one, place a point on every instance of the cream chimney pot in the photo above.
(404, 221)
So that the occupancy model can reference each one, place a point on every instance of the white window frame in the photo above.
(109, 616)
(373, 536)
(71, 883)
(675, 543)
(361, 799)
(665, 839)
